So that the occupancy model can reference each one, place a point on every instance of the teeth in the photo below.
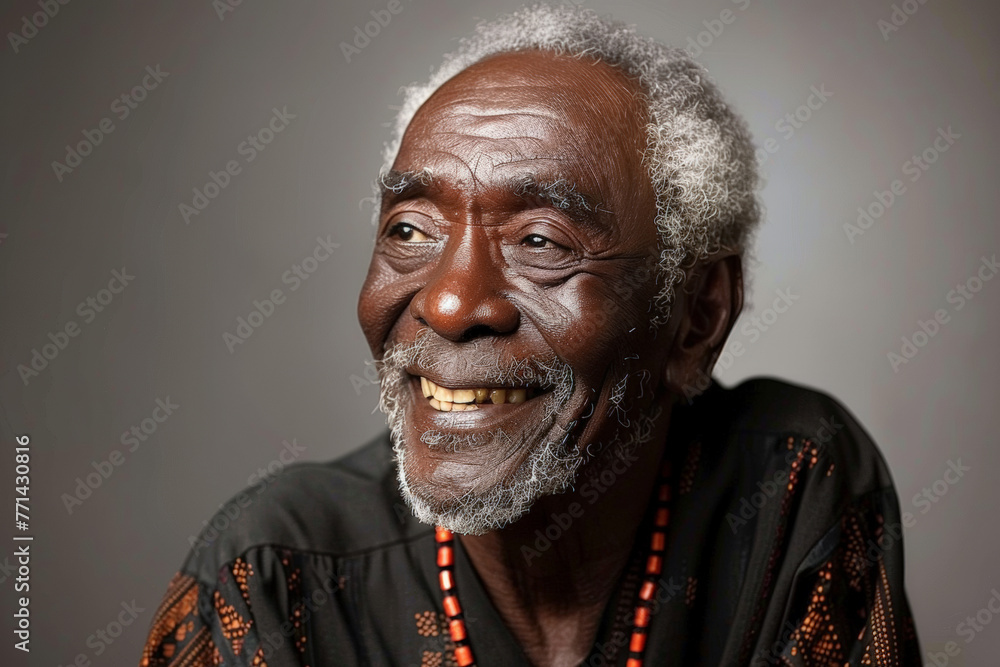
(464, 395)
(444, 394)
(448, 406)
(459, 400)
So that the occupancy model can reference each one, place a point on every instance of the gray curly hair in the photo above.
(699, 154)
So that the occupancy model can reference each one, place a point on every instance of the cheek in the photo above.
(384, 297)
(592, 322)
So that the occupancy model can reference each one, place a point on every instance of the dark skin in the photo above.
(474, 264)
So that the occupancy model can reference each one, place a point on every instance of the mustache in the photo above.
(477, 361)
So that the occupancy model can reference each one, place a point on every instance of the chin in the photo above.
(481, 468)
(493, 510)
(473, 481)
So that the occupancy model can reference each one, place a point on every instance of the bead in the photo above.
(643, 613)
(451, 606)
(647, 591)
(659, 541)
(463, 656)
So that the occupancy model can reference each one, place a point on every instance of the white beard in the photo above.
(552, 466)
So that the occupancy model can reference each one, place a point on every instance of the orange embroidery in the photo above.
(179, 602)
(234, 627)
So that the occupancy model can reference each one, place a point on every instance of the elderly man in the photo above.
(557, 266)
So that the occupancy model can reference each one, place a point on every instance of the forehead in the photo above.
(537, 113)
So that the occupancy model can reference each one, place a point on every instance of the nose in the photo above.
(464, 297)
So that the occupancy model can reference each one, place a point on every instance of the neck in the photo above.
(551, 574)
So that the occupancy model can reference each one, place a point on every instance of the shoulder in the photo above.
(762, 419)
(346, 506)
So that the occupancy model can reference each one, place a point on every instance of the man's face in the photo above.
(514, 269)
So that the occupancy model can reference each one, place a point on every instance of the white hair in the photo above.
(699, 154)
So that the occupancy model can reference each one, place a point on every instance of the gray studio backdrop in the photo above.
(876, 123)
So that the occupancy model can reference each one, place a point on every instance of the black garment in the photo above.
(784, 547)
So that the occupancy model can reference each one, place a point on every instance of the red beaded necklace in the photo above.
(643, 606)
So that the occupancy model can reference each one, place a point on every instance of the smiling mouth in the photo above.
(445, 399)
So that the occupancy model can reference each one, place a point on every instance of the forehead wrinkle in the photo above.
(457, 133)
(481, 166)
(515, 161)
(593, 128)
(582, 151)
(454, 110)
(598, 88)
(498, 149)
(470, 125)
(506, 154)
(499, 127)
(479, 99)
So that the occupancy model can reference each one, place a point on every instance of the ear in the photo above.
(707, 308)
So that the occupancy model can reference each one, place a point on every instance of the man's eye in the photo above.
(538, 241)
(404, 231)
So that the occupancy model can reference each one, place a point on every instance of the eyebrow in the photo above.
(558, 193)
(399, 185)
